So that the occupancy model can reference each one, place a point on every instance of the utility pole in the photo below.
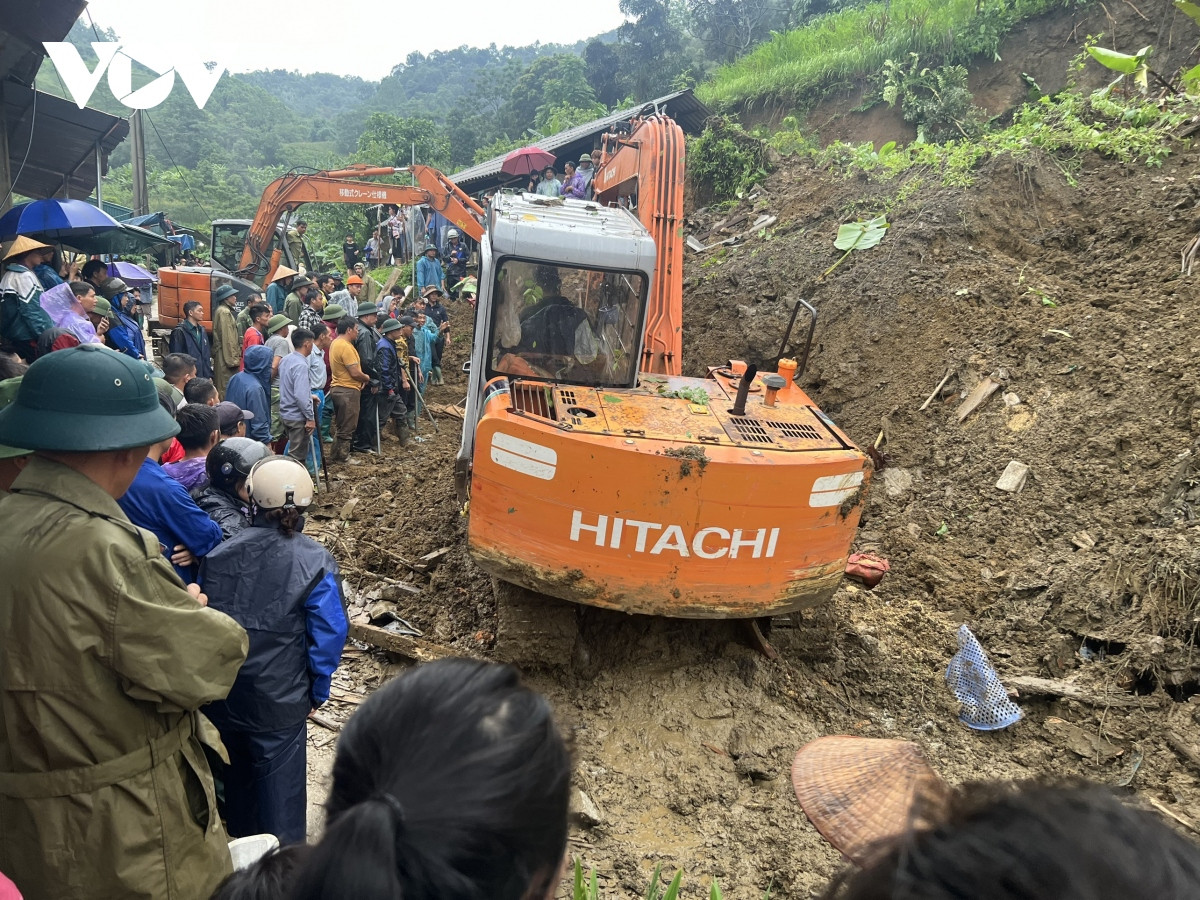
(141, 197)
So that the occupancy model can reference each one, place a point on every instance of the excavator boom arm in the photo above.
(645, 169)
(290, 191)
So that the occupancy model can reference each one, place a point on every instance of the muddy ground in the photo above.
(1072, 298)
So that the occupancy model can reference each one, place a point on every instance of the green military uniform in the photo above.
(105, 659)
(371, 290)
(226, 343)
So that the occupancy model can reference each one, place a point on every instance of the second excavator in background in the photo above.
(246, 254)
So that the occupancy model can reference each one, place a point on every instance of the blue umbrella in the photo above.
(56, 220)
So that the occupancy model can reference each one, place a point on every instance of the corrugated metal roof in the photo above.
(25, 25)
(62, 151)
(682, 106)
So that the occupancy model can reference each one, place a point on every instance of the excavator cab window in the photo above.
(566, 324)
(228, 242)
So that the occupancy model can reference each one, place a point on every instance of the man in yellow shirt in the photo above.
(346, 381)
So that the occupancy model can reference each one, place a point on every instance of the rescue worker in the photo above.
(279, 287)
(371, 289)
(294, 305)
(297, 247)
(105, 657)
(370, 416)
(393, 358)
(225, 499)
(440, 316)
(226, 342)
(284, 588)
(347, 297)
(429, 270)
(456, 261)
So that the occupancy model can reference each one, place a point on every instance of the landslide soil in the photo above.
(1071, 296)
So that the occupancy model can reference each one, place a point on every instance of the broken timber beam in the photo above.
(413, 648)
(1048, 687)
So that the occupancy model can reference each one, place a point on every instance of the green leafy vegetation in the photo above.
(725, 161)
(802, 65)
(588, 888)
(1131, 129)
(857, 236)
(936, 100)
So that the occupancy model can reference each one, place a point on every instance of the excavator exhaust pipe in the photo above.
(739, 404)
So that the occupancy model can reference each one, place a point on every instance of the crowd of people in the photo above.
(576, 181)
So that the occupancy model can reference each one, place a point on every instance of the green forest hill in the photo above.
(465, 105)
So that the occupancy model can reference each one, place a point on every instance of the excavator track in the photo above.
(534, 631)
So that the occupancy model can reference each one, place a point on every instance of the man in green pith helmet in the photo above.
(105, 656)
(226, 340)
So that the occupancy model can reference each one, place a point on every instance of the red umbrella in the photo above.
(526, 161)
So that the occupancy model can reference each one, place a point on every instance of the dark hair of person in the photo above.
(91, 267)
(270, 878)
(1031, 841)
(176, 365)
(189, 306)
(450, 782)
(197, 423)
(318, 330)
(300, 335)
(301, 222)
(199, 390)
(288, 520)
(321, 279)
(166, 401)
(10, 367)
(396, 290)
(258, 309)
(81, 288)
(345, 323)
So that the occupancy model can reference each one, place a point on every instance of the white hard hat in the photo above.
(279, 482)
(451, 233)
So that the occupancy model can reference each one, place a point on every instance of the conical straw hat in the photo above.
(21, 244)
(283, 272)
(859, 792)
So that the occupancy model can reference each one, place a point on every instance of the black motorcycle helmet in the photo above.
(230, 462)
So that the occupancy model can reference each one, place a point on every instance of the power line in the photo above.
(95, 30)
(32, 123)
(146, 116)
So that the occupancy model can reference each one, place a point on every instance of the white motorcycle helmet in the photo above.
(279, 482)
(452, 233)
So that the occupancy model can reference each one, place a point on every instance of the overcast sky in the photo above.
(346, 37)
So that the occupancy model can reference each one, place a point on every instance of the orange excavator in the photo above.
(246, 254)
(595, 472)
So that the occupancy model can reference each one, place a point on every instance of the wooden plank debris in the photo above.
(1049, 687)
(937, 390)
(978, 395)
(410, 647)
(324, 721)
(430, 561)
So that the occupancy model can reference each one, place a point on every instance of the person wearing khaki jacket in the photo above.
(226, 340)
(105, 656)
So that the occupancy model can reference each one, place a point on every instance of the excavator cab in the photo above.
(229, 241)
